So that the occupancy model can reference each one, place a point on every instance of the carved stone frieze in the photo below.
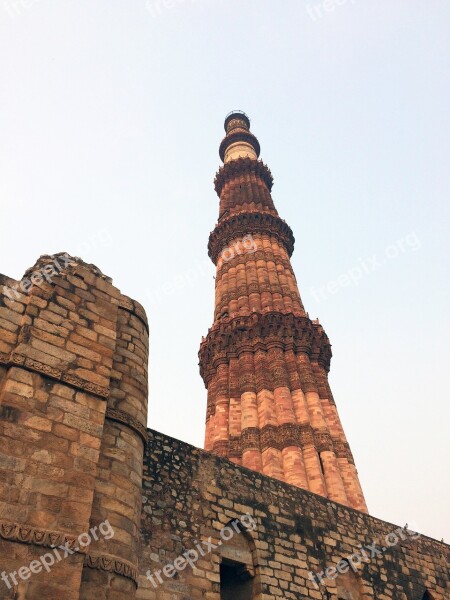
(279, 437)
(250, 439)
(26, 534)
(306, 434)
(322, 441)
(261, 331)
(339, 448)
(234, 447)
(242, 166)
(111, 564)
(221, 447)
(247, 223)
(15, 359)
(288, 435)
(93, 388)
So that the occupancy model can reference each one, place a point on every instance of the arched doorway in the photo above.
(237, 572)
(235, 581)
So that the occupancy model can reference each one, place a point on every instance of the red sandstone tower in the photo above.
(264, 362)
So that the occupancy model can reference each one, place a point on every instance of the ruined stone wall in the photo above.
(191, 495)
(73, 402)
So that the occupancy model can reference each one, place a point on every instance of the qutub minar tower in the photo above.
(264, 361)
(96, 506)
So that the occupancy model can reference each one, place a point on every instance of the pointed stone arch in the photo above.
(427, 596)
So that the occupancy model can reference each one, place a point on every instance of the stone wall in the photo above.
(191, 495)
(73, 411)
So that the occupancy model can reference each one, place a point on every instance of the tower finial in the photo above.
(236, 118)
(239, 141)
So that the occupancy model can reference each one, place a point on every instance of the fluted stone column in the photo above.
(264, 362)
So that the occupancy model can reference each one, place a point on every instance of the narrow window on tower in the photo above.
(427, 596)
(321, 463)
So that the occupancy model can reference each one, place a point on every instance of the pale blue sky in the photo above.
(111, 114)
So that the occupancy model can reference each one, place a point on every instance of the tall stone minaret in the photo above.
(264, 361)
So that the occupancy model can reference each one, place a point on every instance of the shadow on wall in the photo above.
(348, 587)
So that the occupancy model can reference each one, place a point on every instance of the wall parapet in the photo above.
(303, 531)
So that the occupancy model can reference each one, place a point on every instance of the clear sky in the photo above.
(111, 114)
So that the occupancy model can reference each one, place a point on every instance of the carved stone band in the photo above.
(23, 534)
(242, 166)
(259, 331)
(111, 564)
(15, 359)
(246, 223)
(114, 414)
(280, 437)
